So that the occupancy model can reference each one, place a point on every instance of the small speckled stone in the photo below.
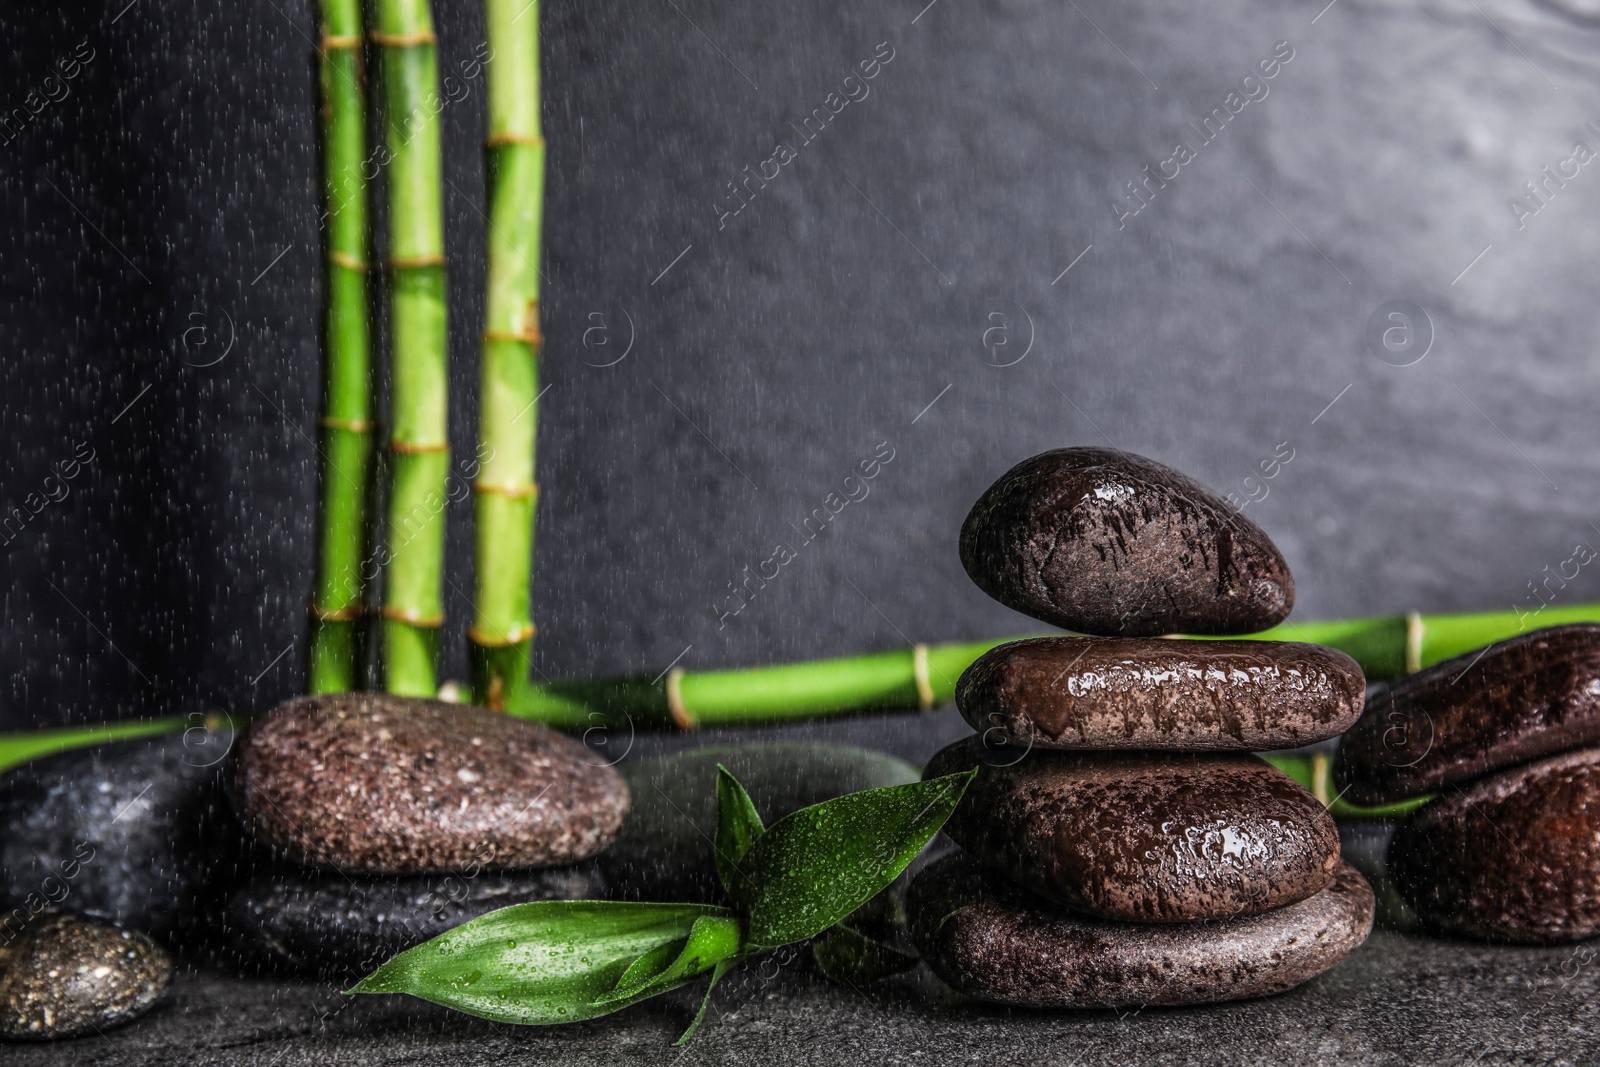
(372, 783)
(1107, 542)
(64, 976)
(1146, 693)
(991, 940)
(1515, 856)
(664, 850)
(340, 928)
(1153, 837)
(1533, 695)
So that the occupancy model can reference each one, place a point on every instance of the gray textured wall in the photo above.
(861, 297)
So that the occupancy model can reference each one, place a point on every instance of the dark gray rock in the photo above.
(1533, 695)
(337, 927)
(1107, 542)
(133, 831)
(1148, 837)
(992, 940)
(1145, 693)
(378, 784)
(65, 976)
(1515, 856)
(664, 850)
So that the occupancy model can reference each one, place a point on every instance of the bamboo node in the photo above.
(1321, 779)
(516, 637)
(522, 491)
(494, 140)
(347, 261)
(416, 448)
(675, 706)
(402, 40)
(413, 262)
(919, 671)
(530, 337)
(412, 617)
(352, 425)
(1414, 631)
(330, 43)
(345, 614)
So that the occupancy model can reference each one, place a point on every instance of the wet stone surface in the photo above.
(664, 849)
(993, 941)
(1534, 695)
(340, 928)
(1146, 693)
(1110, 543)
(1154, 837)
(1515, 856)
(371, 783)
(66, 976)
(133, 831)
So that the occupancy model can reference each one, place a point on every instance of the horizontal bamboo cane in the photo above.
(924, 676)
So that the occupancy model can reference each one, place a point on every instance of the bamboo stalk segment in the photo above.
(506, 495)
(419, 444)
(337, 622)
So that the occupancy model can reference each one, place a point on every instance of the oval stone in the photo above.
(1513, 857)
(991, 940)
(378, 784)
(664, 849)
(1146, 693)
(1530, 696)
(133, 831)
(339, 928)
(66, 976)
(1153, 837)
(1106, 542)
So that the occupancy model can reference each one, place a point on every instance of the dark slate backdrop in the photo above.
(899, 281)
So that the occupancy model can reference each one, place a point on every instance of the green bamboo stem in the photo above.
(1386, 647)
(907, 679)
(337, 626)
(413, 608)
(506, 492)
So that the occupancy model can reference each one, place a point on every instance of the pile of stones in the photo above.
(1509, 848)
(1120, 844)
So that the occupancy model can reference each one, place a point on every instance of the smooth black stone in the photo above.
(1110, 543)
(664, 850)
(67, 976)
(133, 831)
(336, 927)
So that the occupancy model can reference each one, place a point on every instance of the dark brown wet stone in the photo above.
(992, 940)
(1147, 693)
(65, 976)
(1107, 542)
(1148, 837)
(1533, 695)
(1515, 856)
(371, 783)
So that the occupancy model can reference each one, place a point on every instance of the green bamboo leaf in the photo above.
(854, 959)
(738, 827)
(721, 969)
(814, 867)
(549, 961)
(712, 940)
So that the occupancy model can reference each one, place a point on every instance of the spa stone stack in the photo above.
(1121, 844)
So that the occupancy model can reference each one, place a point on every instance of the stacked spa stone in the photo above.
(1121, 846)
(1506, 737)
(392, 820)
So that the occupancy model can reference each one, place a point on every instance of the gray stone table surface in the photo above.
(1398, 1000)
